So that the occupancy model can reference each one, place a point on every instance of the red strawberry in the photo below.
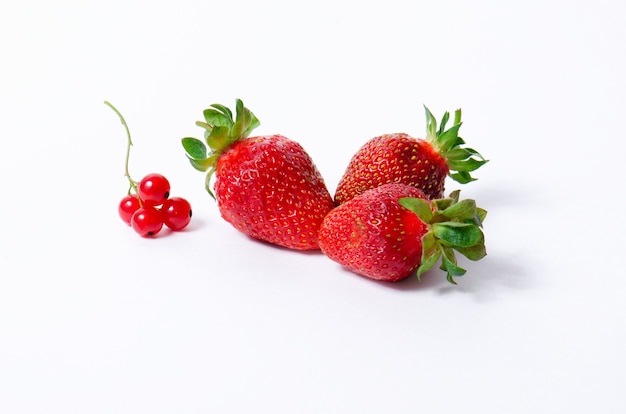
(265, 186)
(422, 163)
(391, 230)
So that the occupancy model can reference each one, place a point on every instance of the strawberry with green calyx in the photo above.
(388, 232)
(422, 163)
(265, 186)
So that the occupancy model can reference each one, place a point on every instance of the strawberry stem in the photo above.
(221, 131)
(453, 225)
(129, 143)
(461, 160)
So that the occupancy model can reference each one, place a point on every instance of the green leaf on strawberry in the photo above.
(455, 234)
(475, 252)
(197, 154)
(431, 252)
(461, 161)
(220, 132)
(218, 118)
(420, 207)
(463, 210)
(452, 226)
(195, 149)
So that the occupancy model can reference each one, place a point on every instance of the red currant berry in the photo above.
(154, 189)
(128, 206)
(147, 221)
(176, 213)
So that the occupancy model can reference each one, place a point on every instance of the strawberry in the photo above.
(265, 186)
(422, 163)
(389, 231)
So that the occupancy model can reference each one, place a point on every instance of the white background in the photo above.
(95, 319)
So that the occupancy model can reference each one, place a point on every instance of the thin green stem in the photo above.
(133, 183)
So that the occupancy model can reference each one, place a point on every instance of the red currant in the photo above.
(147, 207)
(176, 213)
(128, 206)
(154, 189)
(147, 221)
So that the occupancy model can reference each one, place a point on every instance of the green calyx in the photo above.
(453, 226)
(448, 143)
(221, 131)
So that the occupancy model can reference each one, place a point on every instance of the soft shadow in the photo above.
(194, 225)
(492, 276)
(411, 283)
(501, 195)
(283, 248)
(485, 279)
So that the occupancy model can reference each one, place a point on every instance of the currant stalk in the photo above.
(129, 143)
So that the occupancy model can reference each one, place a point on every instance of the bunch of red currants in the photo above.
(148, 205)
(151, 207)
